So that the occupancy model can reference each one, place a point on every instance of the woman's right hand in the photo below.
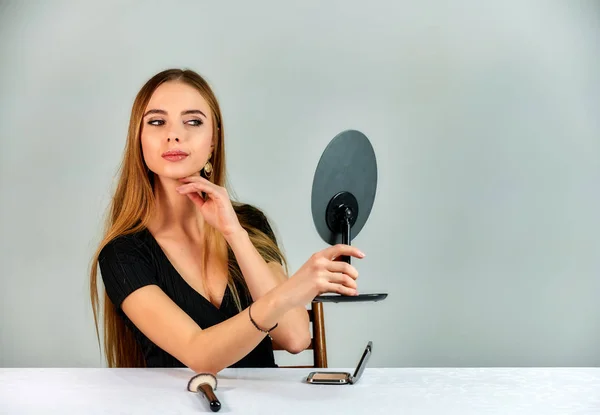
(322, 273)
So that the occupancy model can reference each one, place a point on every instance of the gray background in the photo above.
(484, 119)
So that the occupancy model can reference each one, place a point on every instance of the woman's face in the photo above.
(177, 131)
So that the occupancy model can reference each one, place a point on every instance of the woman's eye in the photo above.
(194, 123)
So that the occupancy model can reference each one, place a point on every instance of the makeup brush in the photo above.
(206, 383)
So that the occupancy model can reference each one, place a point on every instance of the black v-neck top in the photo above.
(133, 261)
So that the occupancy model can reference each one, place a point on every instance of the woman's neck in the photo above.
(175, 213)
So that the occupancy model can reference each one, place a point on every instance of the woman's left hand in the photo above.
(216, 208)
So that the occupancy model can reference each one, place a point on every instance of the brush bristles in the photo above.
(200, 379)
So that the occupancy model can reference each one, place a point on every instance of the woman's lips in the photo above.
(174, 155)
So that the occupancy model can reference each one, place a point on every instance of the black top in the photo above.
(133, 261)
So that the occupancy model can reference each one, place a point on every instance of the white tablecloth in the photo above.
(283, 391)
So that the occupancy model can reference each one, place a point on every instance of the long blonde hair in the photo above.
(133, 205)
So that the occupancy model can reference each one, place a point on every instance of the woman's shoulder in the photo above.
(134, 244)
(126, 264)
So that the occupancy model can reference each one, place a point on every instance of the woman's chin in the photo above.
(176, 174)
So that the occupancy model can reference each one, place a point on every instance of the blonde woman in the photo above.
(190, 278)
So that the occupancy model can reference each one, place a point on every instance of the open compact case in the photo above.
(342, 378)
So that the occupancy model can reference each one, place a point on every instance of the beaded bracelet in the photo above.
(256, 325)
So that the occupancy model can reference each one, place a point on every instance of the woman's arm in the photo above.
(292, 332)
(209, 350)
(221, 345)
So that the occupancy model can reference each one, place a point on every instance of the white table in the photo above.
(282, 392)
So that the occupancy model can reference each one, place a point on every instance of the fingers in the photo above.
(342, 268)
(341, 249)
(340, 289)
(196, 198)
(341, 276)
(342, 279)
(200, 184)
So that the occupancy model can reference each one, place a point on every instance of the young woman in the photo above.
(192, 279)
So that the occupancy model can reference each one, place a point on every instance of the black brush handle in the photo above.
(209, 394)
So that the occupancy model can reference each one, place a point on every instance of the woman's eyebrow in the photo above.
(163, 112)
